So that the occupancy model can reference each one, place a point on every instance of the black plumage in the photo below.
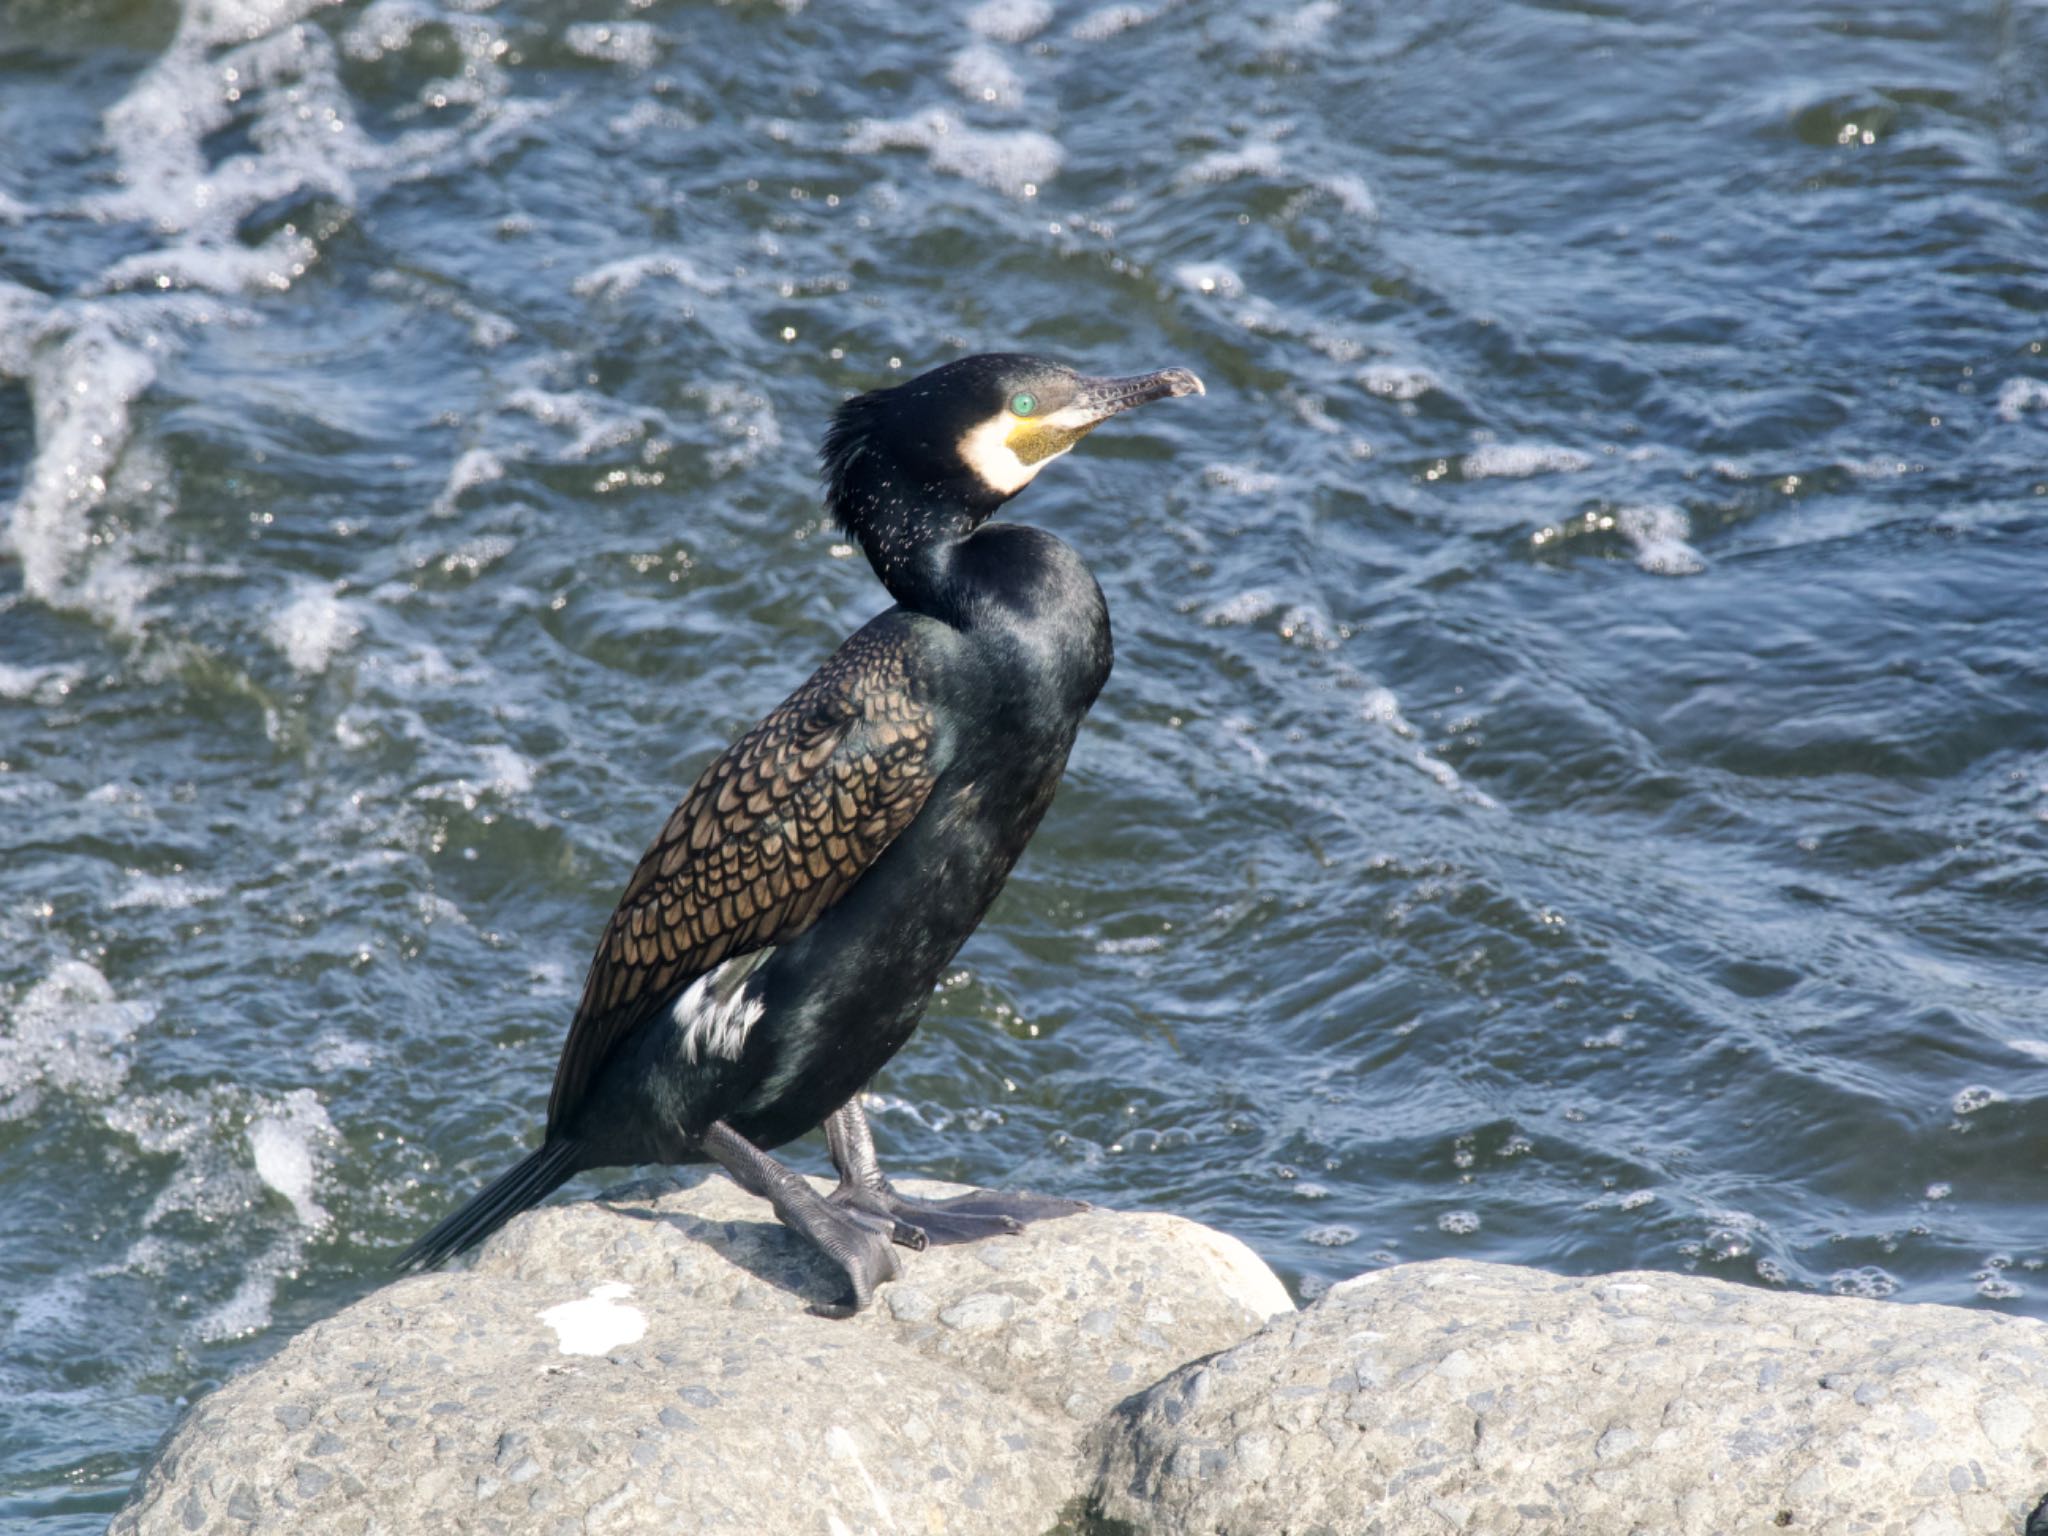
(778, 942)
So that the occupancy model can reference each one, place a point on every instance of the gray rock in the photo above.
(1460, 1397)
(646, 1364)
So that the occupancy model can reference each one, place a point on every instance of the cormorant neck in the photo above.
(912, 529)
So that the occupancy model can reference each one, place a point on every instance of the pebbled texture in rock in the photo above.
(645, 1364)
(1462, 1397)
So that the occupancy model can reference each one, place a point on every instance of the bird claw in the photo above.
(863, 1248)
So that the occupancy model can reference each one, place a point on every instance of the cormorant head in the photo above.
(933, 459)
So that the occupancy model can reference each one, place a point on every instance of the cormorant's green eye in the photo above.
(1024, 404)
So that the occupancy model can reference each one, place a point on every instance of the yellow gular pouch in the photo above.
(1036, 441)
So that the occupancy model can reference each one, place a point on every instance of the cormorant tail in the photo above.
(527, 1183)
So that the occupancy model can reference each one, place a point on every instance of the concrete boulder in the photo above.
(647, 1364)
(1462, 1397)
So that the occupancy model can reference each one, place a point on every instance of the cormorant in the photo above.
(781, 938)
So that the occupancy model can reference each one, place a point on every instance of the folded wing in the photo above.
(780, 827)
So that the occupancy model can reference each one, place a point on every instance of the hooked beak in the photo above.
(1027, 444)
(1100, 399)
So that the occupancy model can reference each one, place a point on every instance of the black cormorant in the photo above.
(780, 940)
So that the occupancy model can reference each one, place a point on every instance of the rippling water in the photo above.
(1574, 788)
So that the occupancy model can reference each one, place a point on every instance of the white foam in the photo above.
(233, 59)
(288, 1142)
(2018, 396)
(1313, 412)
(634, 44)
(477, 466)
(342, 1053)
(1306, 624)
(164, 1123)
(1520, 460)
(46, 683)
(254, 67)
(597, 1324)
(439, 909)
(312, 629)
(1142, 944)
(502, 773)
(1306, 26)
(2037, 1049)
(1209, 277)
(1351, 193)
(250, 1308)
(1101, 25)
(1382, 706)
(1458, 1223)
(216, 1134)
(1241, 479)
(506, 772)
(1398, 381)
(424, 665)
(598, 424)
(1247, 607)
(1975, 1097)
(385, 27)
(746, 419)
(472, 557)
(1659, 534)
(83, 388)
(615, 279)
(271, 267)
(167, 893)
(24, 315)
(982, 74)
(1010, 21)
(1016, 163)
(66, 1034)
(1261, 159)
(933, 1117)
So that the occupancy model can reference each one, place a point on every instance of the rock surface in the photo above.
(646, 1363)
(1461, 1397)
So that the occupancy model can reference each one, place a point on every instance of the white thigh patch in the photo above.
(718, 1010)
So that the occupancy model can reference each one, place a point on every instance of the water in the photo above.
(1575, 784)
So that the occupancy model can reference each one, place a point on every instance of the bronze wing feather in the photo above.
(778, 828)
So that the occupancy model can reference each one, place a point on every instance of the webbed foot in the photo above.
(964, 1218)
(860, 1242)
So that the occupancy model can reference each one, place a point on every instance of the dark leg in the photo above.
(854, 1239)
(963, 1219)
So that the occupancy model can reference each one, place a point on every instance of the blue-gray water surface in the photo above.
(1574, 788)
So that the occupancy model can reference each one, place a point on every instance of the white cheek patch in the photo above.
(986, 451)
(714, 1019)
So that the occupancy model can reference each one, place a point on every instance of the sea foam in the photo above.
(1017, 163)
(67, 1034)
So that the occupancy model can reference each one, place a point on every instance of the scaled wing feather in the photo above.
(778, 828)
